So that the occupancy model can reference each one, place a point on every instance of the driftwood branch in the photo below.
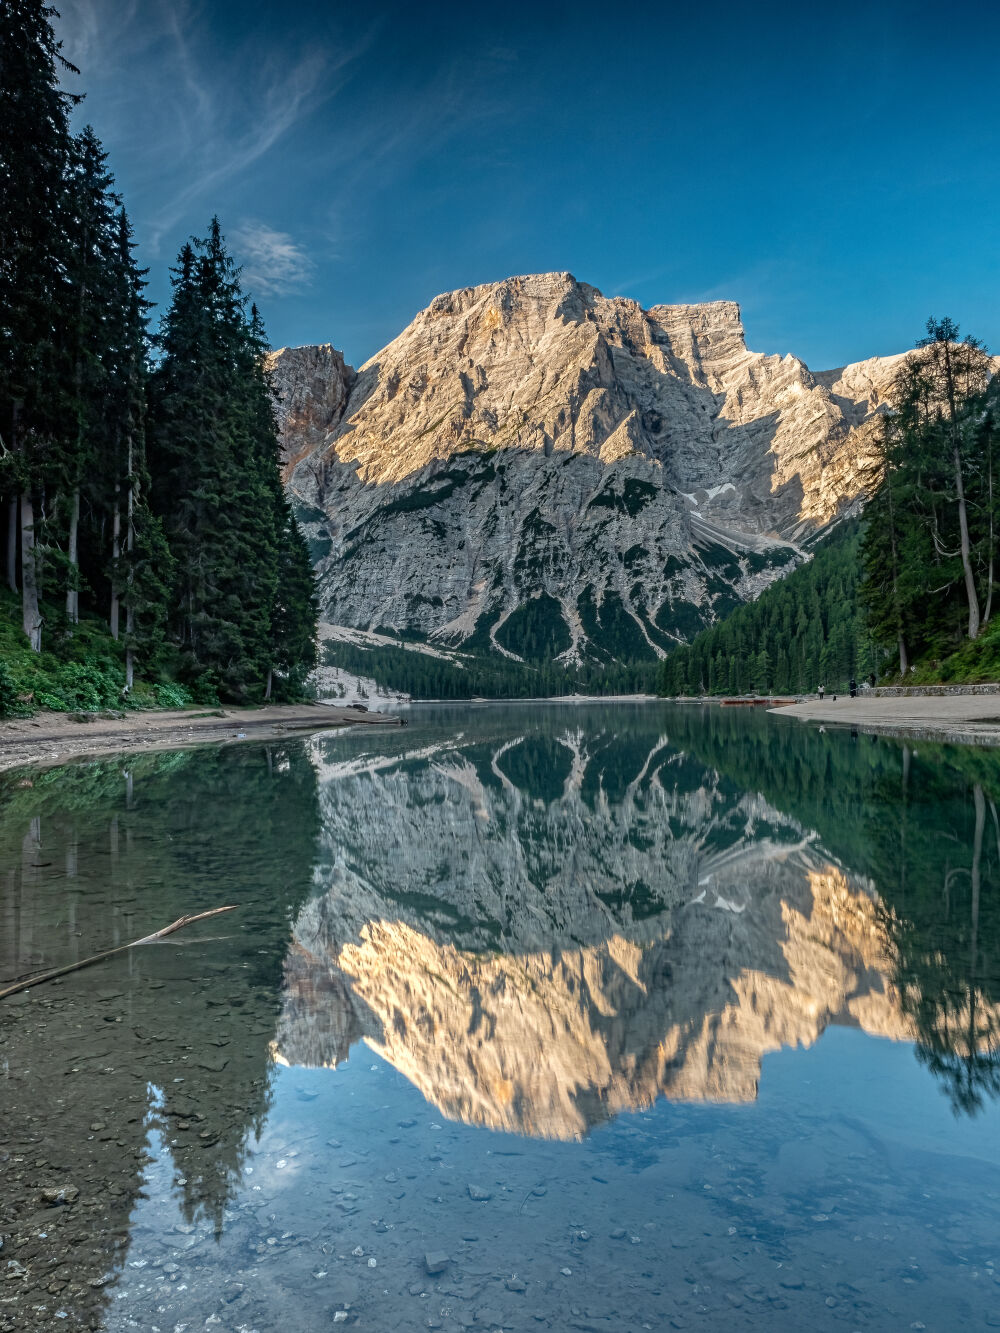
(109, 953)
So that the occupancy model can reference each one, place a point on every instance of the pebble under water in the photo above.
(598, 1017)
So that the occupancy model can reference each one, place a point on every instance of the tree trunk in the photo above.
(903, 661)
(963, 527)
(130, 547)
(40, 550)
(270, 677)
(989, 584)
(31, 619)
(72, 591)
(12, 544)
(963, 517)
(987, 610)
(977, 862)
(116, 550)
(12, 511)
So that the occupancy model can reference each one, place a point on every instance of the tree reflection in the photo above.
(945, 933)
(922, 822)
(173, 1039)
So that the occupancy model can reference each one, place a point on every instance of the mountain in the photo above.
(534, 470)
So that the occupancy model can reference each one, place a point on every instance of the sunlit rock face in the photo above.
(639, 470)
(312, 385)
(538, 943)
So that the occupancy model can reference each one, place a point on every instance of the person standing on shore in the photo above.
(821, 692)
(854, 688)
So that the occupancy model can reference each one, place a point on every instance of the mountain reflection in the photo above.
(543, 929)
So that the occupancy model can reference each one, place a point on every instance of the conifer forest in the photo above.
(149, 552)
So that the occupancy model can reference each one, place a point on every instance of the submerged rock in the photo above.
(55, 1196)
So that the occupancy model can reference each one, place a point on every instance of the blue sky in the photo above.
(834, 170)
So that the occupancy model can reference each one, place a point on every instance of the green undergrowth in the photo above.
(82, 671)
(974, 663)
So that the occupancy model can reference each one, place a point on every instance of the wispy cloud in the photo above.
(214, 159)
(273, 262)
(437, 105)
(193, 127)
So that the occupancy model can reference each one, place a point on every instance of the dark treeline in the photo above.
(424, 676)
(929, 552)
(805, 631)
(139, 476)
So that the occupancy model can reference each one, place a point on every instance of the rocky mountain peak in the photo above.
(533, 441)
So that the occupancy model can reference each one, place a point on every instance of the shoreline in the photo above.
(56, 738)
(955, 714)
(960, 718)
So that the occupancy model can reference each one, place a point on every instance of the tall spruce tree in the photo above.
(296, 609)
(89, 327)
(136, 563)
(294, 606)
(216, 485)
(928, 552)
(956, 374)
(35, 379)
(884, 584)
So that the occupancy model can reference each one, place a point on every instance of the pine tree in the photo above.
(88, 325)
(296, 610)
(136, 565)
(34, 378)
(956, 375)
(238, 605)
(928, 553)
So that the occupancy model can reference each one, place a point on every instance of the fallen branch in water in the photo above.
(109, 953)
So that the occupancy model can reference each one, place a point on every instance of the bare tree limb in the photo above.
(109, 953)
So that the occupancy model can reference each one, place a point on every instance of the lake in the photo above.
(598, 1017)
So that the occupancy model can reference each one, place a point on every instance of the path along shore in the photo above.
(54, 738)
(969, 715)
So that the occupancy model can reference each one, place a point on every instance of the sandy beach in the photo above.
(966, 717)
(54, 738)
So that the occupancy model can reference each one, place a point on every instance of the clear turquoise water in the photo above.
(627, 1016)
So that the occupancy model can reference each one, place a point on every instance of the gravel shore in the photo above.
(54, 738)
(967, 718)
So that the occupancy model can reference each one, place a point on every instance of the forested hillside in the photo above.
(147, 536)
(807, 630)
(462, 675)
